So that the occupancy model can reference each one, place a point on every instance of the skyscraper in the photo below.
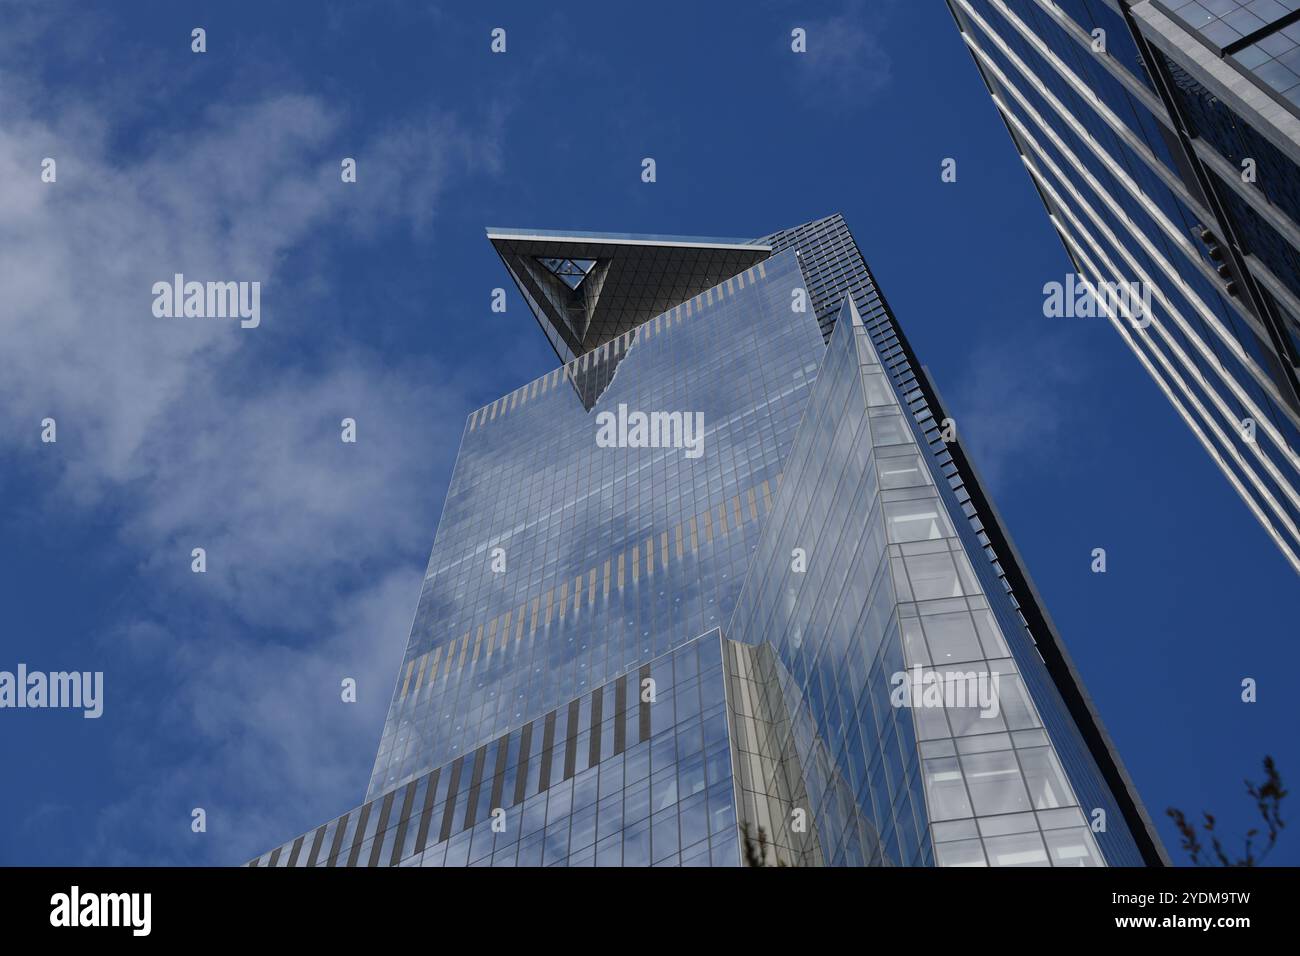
(1163, 137)
(723, 588)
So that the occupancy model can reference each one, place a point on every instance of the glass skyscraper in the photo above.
(1164, 139)
(717, 577)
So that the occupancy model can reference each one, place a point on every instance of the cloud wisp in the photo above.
(181, 433)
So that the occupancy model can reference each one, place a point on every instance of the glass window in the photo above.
(960, 853)
(559, 801)
(694, 817)
(636, 801)
(663, 789)
(585, 787)
(609, 852)
(990, 634)
(725, 849)
(914, 649)
(458, 849)
(890, 429)
(610, 817)
(1022, 849)
(722, 816)
(975, 719)
(583, 832)
(690, 776)
(904, 471)
(1008, 823)
(968, 581)
(1059, 819)
(952, 638)
(945, 790)
(534, 817)
(556, 846)
(698, 855)
(931, 723)
(921, 520)
(1013, 701)
(933, 576)
(636, 844)
(877, 389)
(1073, 847)
(663, 832)
(995, 783)
(1047, 786)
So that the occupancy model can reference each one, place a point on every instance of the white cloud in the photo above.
(1008, 406)
(272, 750)
(846, 63)
(196, 433)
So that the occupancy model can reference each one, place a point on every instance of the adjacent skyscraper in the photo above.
(1163, 137)
(719, 583)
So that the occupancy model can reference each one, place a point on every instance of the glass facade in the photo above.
(861, 577)
(559, 564)
(610, 779)
(615, 660)
(1166, 165)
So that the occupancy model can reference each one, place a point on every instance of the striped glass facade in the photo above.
(1164, 144)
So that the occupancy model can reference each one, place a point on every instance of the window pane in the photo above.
(1014, 702)
(933, 576)
(877, 389)
(943, 786)
(952, 638)
(1073, 847)
(990, 634)
(890, 430)
(1023, 849)
(961, 853)
(915, 521)
(995, 783)
(906, 471)
(1047, 786)
(914, 649)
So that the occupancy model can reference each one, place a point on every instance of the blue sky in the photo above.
(222, 688)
